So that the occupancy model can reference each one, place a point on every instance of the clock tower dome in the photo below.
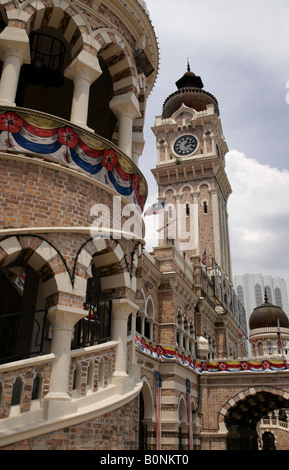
(190, 173)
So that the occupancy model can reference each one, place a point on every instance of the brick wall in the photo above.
(117, 430)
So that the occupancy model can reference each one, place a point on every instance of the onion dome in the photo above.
(190, 93)
(267, 316)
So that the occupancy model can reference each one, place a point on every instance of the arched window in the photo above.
(142, 426)
(240, 294)
(100, 117)
(268, 441)
(283, 415)
(17, 392)
(76, 386)
(101, 374)
(36, 388)
(278, 297)
(95, 328)
(258, 295)
(90, 377)
(42, 85)
(22, 310)
(109, 370)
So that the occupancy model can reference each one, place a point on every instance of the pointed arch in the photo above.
(39, 254)
(149, 411)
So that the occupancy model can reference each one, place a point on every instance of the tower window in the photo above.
(187, 210)
(205, 207)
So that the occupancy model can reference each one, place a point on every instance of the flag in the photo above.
(240, 333)
(156, 208)
(279, 337)
(204, 257)
(188, 388)
(20, 280)
(158, 410)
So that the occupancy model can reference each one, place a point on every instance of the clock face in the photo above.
(185, 145)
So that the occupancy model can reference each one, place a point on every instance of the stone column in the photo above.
(137, 147)
(126, 109)
(83, 70)
(62, 319)
(203, 348)
(216, 225)
(121, 309)
(15, 50)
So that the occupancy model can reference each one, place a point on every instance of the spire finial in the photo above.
(188, 65)
(266, 297)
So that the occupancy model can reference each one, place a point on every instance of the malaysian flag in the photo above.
(279, 337)
(156, 208)
(20, 280)
(188, 388)
(158, 410)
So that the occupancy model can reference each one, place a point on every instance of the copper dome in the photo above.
(267, 316)
(190, 93)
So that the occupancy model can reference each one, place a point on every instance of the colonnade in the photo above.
(83, 71)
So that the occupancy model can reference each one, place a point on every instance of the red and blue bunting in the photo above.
(169, 352)
(34, 133)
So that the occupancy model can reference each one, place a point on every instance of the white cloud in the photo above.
(258, 217)
(240, 49)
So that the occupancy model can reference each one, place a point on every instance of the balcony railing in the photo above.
(95, 328)
(22, 335)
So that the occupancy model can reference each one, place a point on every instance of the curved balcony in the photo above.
(47, 137)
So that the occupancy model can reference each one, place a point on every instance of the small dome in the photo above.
(267, 316)
(190, 93)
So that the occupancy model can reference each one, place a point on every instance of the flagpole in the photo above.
(158, 411)
(188, 387)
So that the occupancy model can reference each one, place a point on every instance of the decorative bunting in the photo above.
(31, 132)
(164, 353)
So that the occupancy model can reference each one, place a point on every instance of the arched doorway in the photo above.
(183, 424)
(42, 84)
(146, 424)
(242, 419)
(23, 324)
(100, 117)
(95, 328)
(268, 440)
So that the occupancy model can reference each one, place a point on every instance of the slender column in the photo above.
(216, 224)
(15, 50)
(83, 70)
(63, 320)
(137, 147)
(121, 309)
(126, 109)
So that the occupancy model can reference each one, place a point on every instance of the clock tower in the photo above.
(190, 174)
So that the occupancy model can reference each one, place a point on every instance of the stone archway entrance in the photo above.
(242, 418)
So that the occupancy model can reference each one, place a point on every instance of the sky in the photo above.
(241, 51)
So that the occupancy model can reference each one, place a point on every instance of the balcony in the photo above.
(39, 135)
(95, 328)
(22, 335)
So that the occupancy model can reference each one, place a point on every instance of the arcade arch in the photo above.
(146, 414)
(246, 411)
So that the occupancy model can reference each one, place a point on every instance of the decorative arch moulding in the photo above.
(164, 353)
(43, 136)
